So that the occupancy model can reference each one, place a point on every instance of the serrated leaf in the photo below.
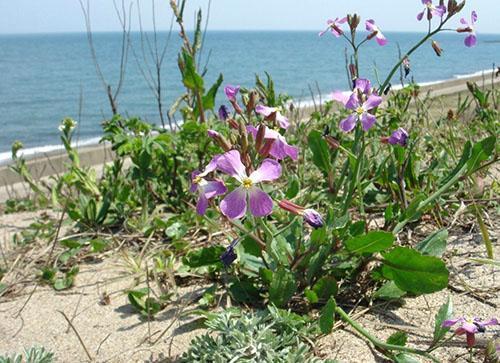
(414, 272)
(371, 242)
(327, 317)
(444, 313)
(282, 287)
(434, 244)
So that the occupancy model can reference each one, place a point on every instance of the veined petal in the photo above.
(473, 17)
(212, 165)
(342, 21)
(420, 16)
(280, 149)
(493, 321)
(234, 205)
(439, 11)
(470, 40)
(269, 170)
(381, 39)
(230, 163)
(264, 110)
(450, 322)
(353, 102)
(282, 121)
(370, 25)
(469, 327)
(372, 102)
(348, 123)
(201, 205)
(367, 120)
(464, 22)
(363, 84)
(213, 188)
(261, 203)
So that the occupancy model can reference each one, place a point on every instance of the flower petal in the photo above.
(341, 97)
(230, 163)
(282, 121)
(473, 16)
(269, 170)
(469, 327)
(201, 205)
(194, 186)
(470, 40)
(450, 322)
(280, 149)
(363, 84)
(348, 123)
(264, 110)
(372, 102)
(261, 203)
(471, 340)
(464, 22)
(367, 120)
(420, 16)
(234, 205)
(213, 188)
(353, 102)
(493, 321)
(370, 25)
(381, 39)
(211, 166)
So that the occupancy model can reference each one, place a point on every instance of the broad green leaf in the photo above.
(209, 98)
(293, 187)
(176, 230)
(190, 76)
(481, 151)
(371, 242)
(434, 244)
(319, 148)
(406, 358)
(389, 291)
(98, 244)
(325, 287)
(414, 272)
(444, 313)
(311, 296)
(205, 256)
(316, 262)
(244, 291)
(398, 338)
(282, 288)
(327, 317)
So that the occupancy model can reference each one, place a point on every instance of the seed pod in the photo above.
(437, 48)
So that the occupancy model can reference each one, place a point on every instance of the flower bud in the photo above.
(236, 107)
(352, 71)
(259, 138)
(372, 35)
(437, 48)
(252, 100)
(290, 207)
(353, 21)
(332, 142)
(233, 123)
(223, 113)
(229, 256)
(266, 149)
(313, 218)
(220, 140)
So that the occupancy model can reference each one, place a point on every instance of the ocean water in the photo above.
(46, 77)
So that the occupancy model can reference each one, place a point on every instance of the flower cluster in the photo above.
(247, 166)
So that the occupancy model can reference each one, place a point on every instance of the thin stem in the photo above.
(378, 343)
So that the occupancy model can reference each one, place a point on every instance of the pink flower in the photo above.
(471, 39)
(310, 216)
(234, 205)
(398, 137)
(207, 189)
(334, 27)
(280, 149)
(231, 92)
(375, 32)
(273, 113)
(432, 10)
(469, 327)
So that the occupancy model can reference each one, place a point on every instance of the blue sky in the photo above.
(36, 16)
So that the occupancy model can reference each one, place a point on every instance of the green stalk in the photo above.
(378, 343)
(484, 232)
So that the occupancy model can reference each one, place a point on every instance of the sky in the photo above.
(36, 16)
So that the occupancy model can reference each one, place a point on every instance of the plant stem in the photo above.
(378, 343)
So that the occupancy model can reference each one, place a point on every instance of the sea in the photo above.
(46, 77)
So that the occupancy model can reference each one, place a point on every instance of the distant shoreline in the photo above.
(51, 162)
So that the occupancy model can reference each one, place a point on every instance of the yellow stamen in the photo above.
(247, 183)
(197, 180)
(360, 110)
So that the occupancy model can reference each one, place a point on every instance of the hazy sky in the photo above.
(40, 16)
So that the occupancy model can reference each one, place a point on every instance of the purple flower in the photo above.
(375, 32)
(223, 113)
(313, 218)
(431, 10)
(273, 113)
(234, 205)
(207, 189)
(229, 256)
(280, 148)
(469, 327)
(470, 40)
(360, 113)
(398, 137)
(231, 92)
(212, 134)
(362, 84)
(334, 27)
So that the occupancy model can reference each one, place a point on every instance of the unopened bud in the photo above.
(259, 138)
(352, 70)
(252, 100)
(332, 142)
(353, 21)
(223, 113)
(384, 140)
(266, 149)
(290, 207)
(464, 30)
(437, 48)
(220, 140)
(233, 123)
(313, 218)
(237, 107)
(372, 35)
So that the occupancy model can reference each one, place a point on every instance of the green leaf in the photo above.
(311, 296)
(371, 242)
(3, 287)
(405, 358)
(244, 291)
(176, 230)
(205, 256)
(325, 287)
(282, 288)
(414, 272)
(398, 338)
(319, 148)
(71, 243)
(190, 76)
(209, 98)
(327, 317)
(293, 187)
(389, 291)
(481, 151)
(434, 244)
(98, 244)
(444, 313)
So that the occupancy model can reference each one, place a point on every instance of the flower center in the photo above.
(247, 183)
(360, 110)
(197, 180)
